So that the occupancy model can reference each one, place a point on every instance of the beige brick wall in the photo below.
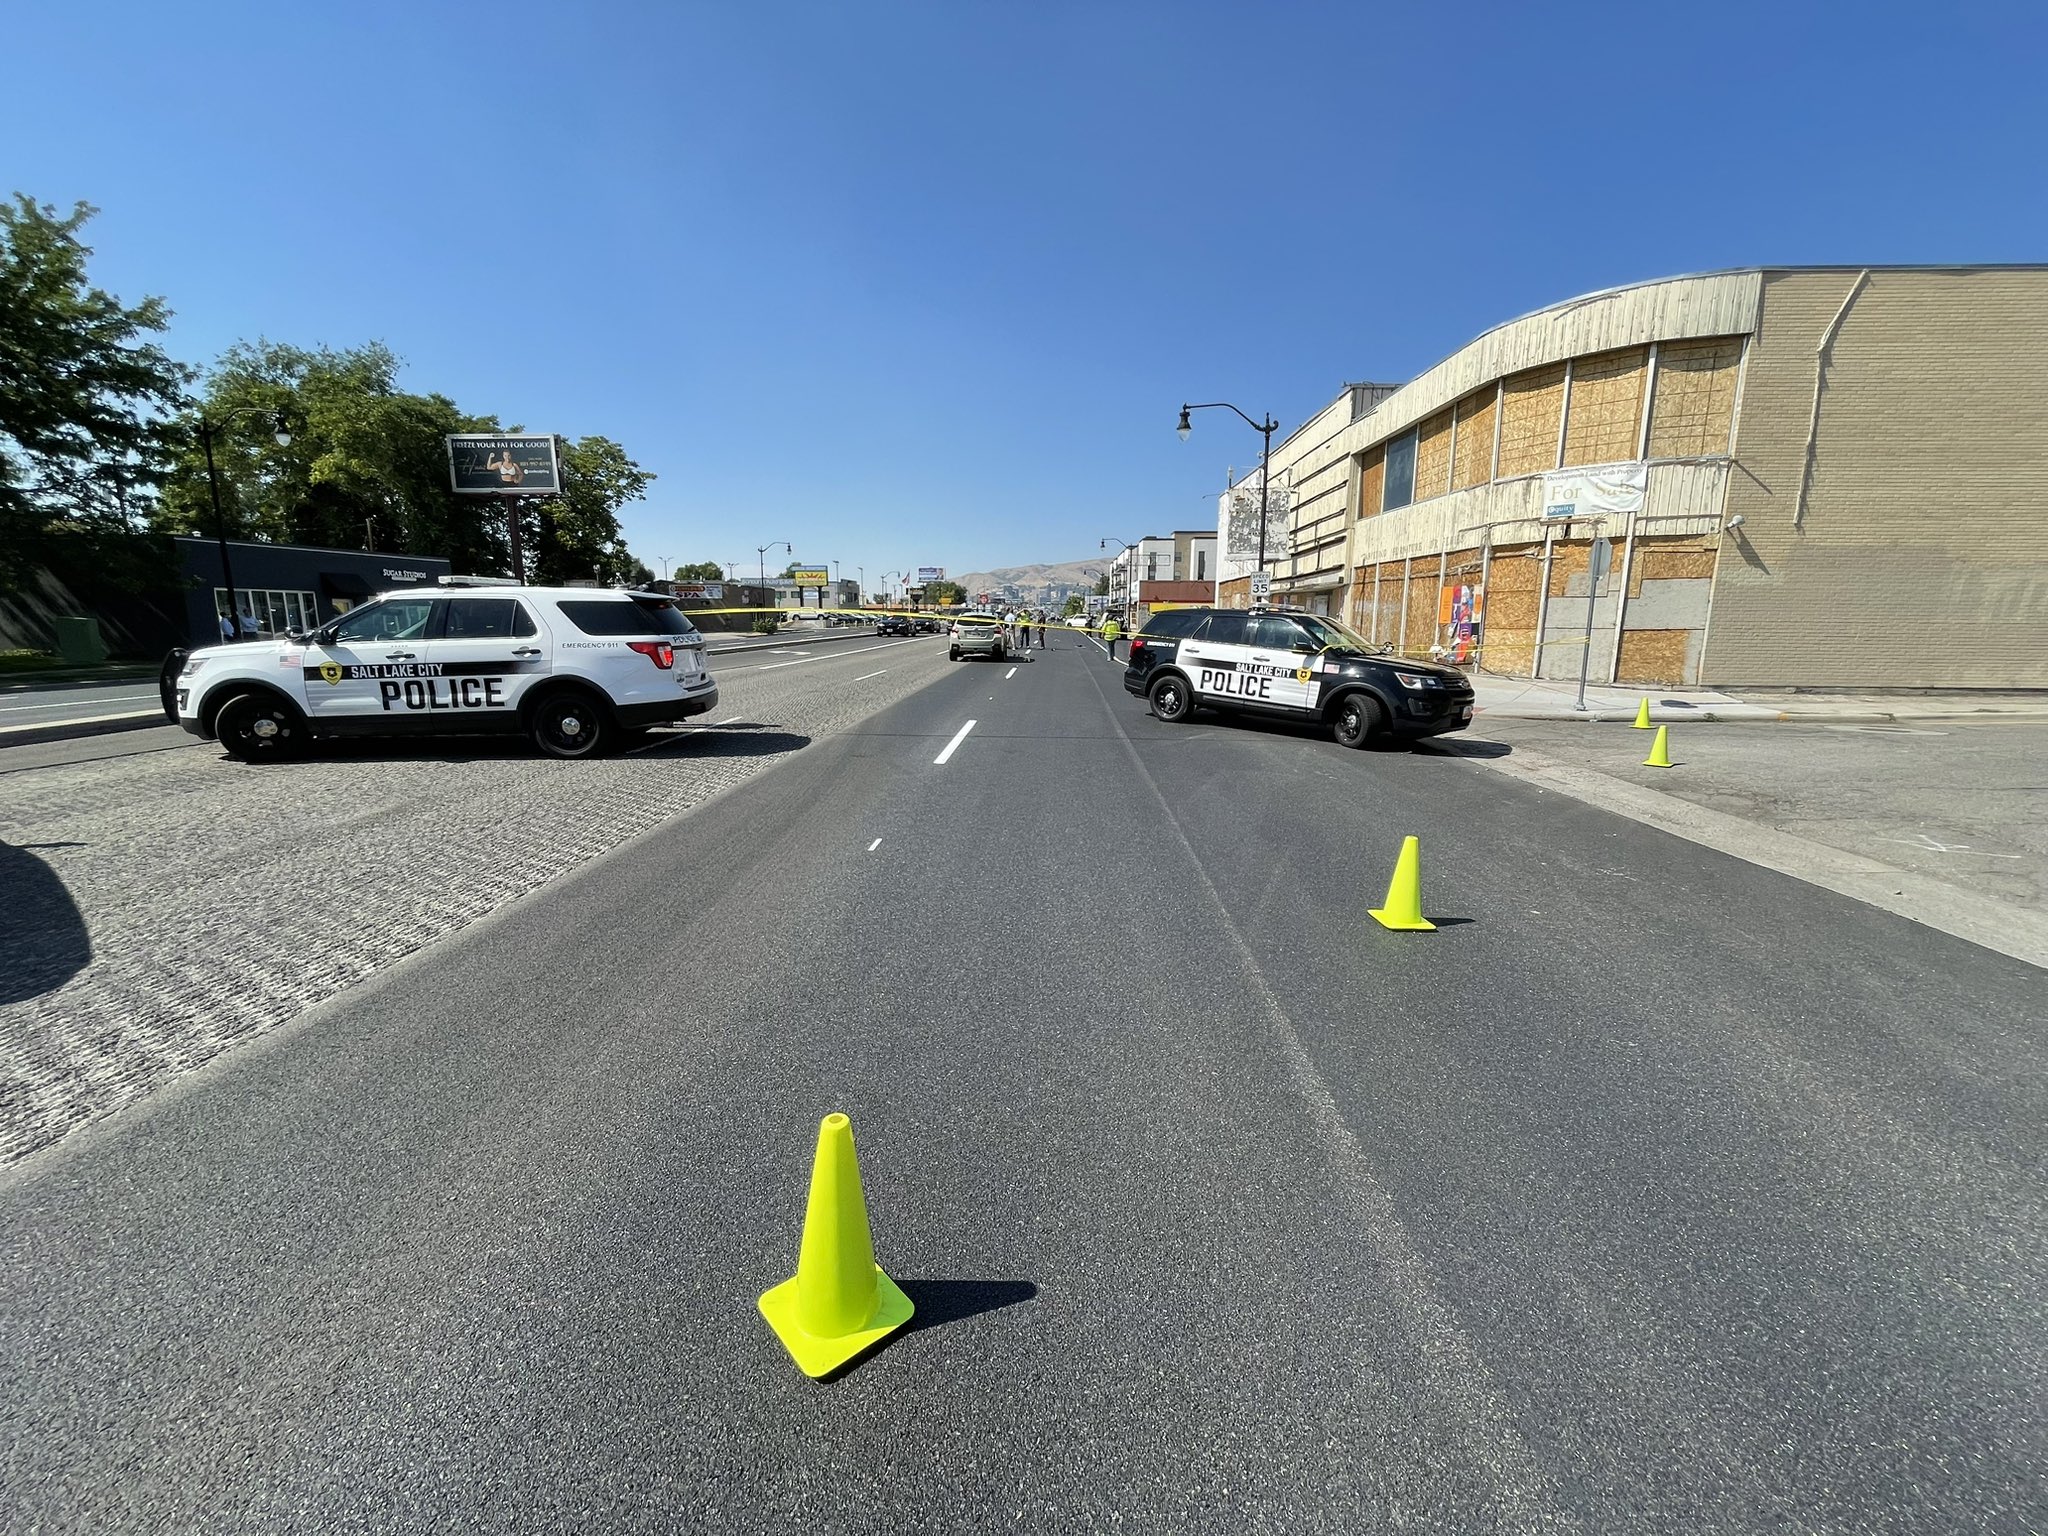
(1923, 559)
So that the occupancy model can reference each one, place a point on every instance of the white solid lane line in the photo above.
(866, 675)
(874, 845)
(1009, 674)
(958, 737)
(112, 698)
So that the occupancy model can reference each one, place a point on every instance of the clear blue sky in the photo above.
(927, 283)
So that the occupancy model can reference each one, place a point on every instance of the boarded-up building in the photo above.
(1822, 477)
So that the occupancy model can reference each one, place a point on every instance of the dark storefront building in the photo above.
(290, 586)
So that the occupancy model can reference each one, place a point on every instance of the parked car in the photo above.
(571, 667)
(1297, 666)
(1077, 621)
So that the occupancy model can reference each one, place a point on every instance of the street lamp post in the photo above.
(887, 577)
(862, 572)
(207, 431)
(761, 550)
(1265, 429)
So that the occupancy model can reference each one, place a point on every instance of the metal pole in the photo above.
(1265, 479)
(220, 525)
(518, 555)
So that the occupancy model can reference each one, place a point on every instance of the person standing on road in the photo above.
(1041, 629)
(1110, 631)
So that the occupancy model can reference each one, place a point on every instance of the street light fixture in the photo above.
(887, 576)
(208, 430)
(1266, 429)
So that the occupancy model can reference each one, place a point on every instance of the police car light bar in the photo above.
(476, 581)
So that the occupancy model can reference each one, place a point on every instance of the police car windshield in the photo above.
(1330, 634)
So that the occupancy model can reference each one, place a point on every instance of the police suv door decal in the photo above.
(487, 654)
(373, 644)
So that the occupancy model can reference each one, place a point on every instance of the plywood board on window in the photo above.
(1654, 655)
(1530, 405)
(1372, 482)
(1433, 456)
(1509, 636)
(1567, 561)
(1473, 453)
(1606, 408)
(1694, 406)
(1653, 564)
(1422, 604)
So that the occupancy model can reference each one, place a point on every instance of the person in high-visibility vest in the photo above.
(1110, 632)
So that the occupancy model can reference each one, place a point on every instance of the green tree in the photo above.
(944, 593)
(576, 534)
(1102, 585)
(703, 570)
(1074, 605)
(85, 403)
(366, 467)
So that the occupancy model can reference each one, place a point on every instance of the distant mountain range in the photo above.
(1030, 583)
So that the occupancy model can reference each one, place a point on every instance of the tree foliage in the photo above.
(702, 570)
(944, 592)
(576, 535)
(85, 397)
(366, 467)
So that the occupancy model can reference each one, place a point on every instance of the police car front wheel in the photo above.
(572, 725)
(259, 729)
(1357, 720)
(1171, 701)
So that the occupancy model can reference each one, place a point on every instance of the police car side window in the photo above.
(1222, 629)
(403, 619)
(1272, 632)
(486, 618)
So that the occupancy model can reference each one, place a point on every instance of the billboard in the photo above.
(493, 464)
(700, 591)
(810, 576)
(927, 574)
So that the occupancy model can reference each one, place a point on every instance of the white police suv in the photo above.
(571, 667)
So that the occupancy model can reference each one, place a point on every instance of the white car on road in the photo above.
(571, 667)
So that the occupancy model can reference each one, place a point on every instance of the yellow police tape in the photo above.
(1110, 630)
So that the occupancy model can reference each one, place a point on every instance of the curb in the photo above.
(1789, 717)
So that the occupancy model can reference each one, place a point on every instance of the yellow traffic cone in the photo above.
(1660, 749)
(1402, 910)
(1643, 715)
(839, 1302)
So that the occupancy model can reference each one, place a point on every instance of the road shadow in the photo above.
(937, 1303)
(1464, 748)
(741, 740)
(44, 942)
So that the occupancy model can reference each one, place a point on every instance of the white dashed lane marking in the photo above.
(958, 737)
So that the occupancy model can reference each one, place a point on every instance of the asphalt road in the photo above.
(1655, 1192)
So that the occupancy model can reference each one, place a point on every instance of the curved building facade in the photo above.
(1823, 477)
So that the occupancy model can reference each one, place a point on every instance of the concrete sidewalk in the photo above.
(1504, 698)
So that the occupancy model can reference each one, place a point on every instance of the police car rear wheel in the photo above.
(1171, 700)
(1357, 720)
(258, 729)
(571, 725)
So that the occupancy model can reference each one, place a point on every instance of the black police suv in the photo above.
(1291, 666)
